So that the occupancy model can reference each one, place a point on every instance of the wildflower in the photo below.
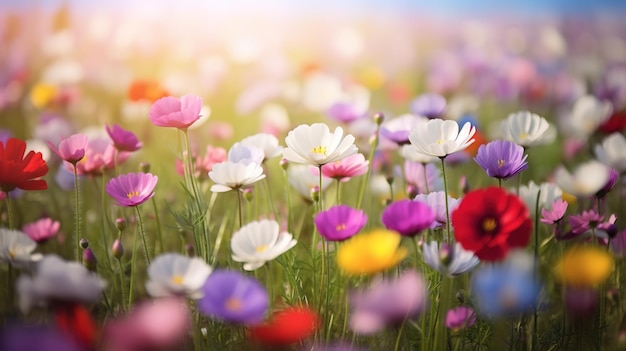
(57, 281)
(123, 140)
(173, 274)
(501, 159)
(229, 175)
(303, 179)
(441, 138)
(370, 253)
(340, 222)
(16, 248)
(408, 217)
(489, 222)
(286, 327)
(387, 302)
(425, 177)
(72, 148)
(75, 320)
(437, 202)
(42, 230)
(460, 318)
(449, 259)
(554, 215)
(315, 145)
(397, 129)
(30, 337)
(585, 266)
(267, 143)
(100, 155)
(412, 153)
(527, 129)
(174, 112)
(258, 242)
(586, 180)
(549, 193)
(132, 189)
(19, 171)
(233, 297)
(587, 115)
(584, 222)
(611, 151)
(618, 244)
(345, 112)
(429, 105)
(145, 90)
(610, 183)
(240, 153)
(343, 170)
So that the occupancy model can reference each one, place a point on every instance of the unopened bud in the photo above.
(144, 167)
(284, 164)
(445, 254)
(379, 118)
(315, 193)
(247, 194)
(412, 191)
(191, 252)
(89, 260)
(117, 250)
(84, 243)
(120, 224)
(460, 296)
(465, 185)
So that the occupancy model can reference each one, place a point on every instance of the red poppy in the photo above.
(489, 222)
(75, 320)
(616, 123)
(286, 327)
(17, 171)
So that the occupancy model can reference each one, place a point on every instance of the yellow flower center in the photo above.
(523, 136)
(501, 163)
(177, 279)
(440, 141)
(489, 224)
(12, 254)
(261, 248)
(322, 149)
(132, 194)
(340, 227)
(233, 304)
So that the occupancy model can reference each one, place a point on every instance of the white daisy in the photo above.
(259, 242)
(315, 145)
(172, 274)
(266, 142)
(16, 248)
(233, 176)
(439, 138)
(586, 180)
(457, 261)
(527, 129)
(611, 151)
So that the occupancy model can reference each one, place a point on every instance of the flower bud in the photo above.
(144, 167)
(120, 224)
(379, 118)
(284, 163)
(445, 254)
(89, 260)
(460, 296)
(84, 243)
(412, 191)
(247, 194)
(191, 251)
(465, 185)
(117, 250)
(315, 193)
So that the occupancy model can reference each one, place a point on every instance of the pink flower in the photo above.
(42, 230)
(221, 130)
(554, 215)
(177, 113)
(99, 155)
(460, 318)
(132, 189)
(203, 165)
(343, 170)
(123, 140)
(72, 148)
(153, 325)
(585, 221)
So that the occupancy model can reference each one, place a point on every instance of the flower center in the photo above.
(340, 227)
(440, 141)
(132, 194)
(12, 254)
(523, 136)
(261, 248)
(501, 163)
(489, 224)
(177, 279)
(322, 149)
(233, 304)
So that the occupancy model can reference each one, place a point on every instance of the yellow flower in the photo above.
(585, 266)
(42, 94)
(371, 252)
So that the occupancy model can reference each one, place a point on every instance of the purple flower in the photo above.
(71, 149)
(233, 297)
(35, 338)
(554, 215)
(501, 159)
(425, 180)
(429, 105)
(437, 202)
(610, 183)
(387, 302)
(398, 129)
(42, 230)
(460, 318)
(123, 140)
(345, 112)
(132, 189)
(408, 217)
(340, 222)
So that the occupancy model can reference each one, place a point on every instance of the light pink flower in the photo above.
(221, 130)
(177, 113)
(204, 164)
(351, 166)
(99, 156)
(123, 140)
(72, 148)
(42, 230)
(555, 214)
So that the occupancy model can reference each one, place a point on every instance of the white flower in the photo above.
(266, 142)
(58, 280)
(587, 115)
(527, 129)
(458, 259)
(232, 176)
(302, 179)
(412, 153)
(16, 248)
(441, 138)
(586, 180)
(258, 242)
(549, 193)
(173, 274)
(241, 153)
(612, 151)
(315, 145)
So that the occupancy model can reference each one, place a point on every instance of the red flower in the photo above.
(616, 123)
(75, 320)
(286, 327)
(17, 171)
(489, 222)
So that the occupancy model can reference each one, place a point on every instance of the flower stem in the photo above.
(240, 209)
(399, 336)
(289, 212)
(132, 273)
(445, 188)
(338, 192)
(158, 223)
(268, 189)
(321, 200)
(122, 287)
(143, 235)
(370, 158)
(536, 249)
(77, 215)
(9, 209)
(427, 188)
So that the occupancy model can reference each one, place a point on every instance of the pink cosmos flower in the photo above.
(99, 156)
(177, 113)
(123, 140)
(72, 148)
(340, 222)
(554, 215)
(585, 221)
(460, 318)
(132, 189)
(351, 166)
(42, 230)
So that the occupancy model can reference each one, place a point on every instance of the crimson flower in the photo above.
(286, 327)
(19, 171)
(489, 222)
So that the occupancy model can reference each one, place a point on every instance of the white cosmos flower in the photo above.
(302, 179)
(441, 138)
(612, 151)
(458, 260)
(233, 176)
(315, 145)
(58, 280)
(241, 153)
(258, 242)
(587, 115)
(266, 142)
(527, 129)
(16, 248)
(412, 153)
(173, 274)
(549, 193)
(586, 180)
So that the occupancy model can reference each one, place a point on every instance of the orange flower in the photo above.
(146, 90)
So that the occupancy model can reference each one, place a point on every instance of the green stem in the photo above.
(399, 336)
(122, 287)
(338, 199)
(370, 158)
(132, 273)
(9, 209)
(426, 178)
(143, 235)
(158, 223)
(445, 188)
(77, 216)
(270, 285)
(536, 249)
(289, 212)
(240, 208)
(268, 190)
(321, 200)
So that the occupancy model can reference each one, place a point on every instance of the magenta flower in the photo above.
(123, 140)
(408, 217)
(340, 222)
(610, 183)
(351, 166)
(585, 221)
(132, 189)
(554, 215)
(71, 149)
(177, 113)
(460, 318)
(42, 230)
(501, 159)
